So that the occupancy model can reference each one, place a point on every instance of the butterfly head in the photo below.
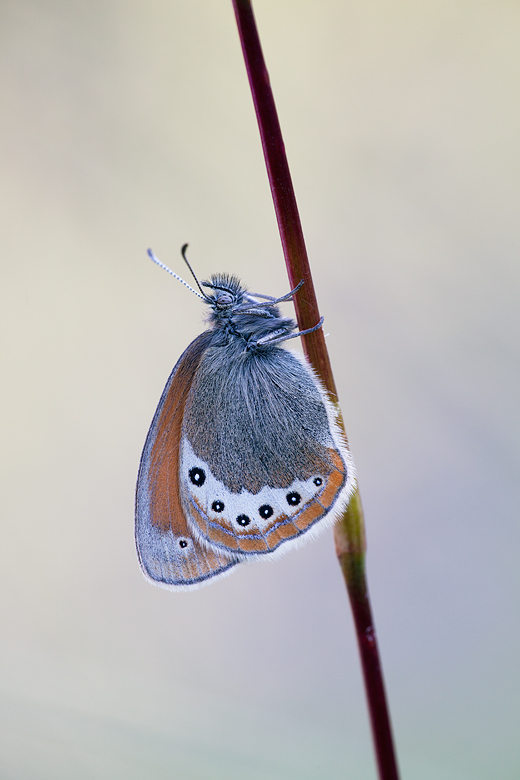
(238, 314)
(228, 292)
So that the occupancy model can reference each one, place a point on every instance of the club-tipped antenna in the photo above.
(154, 257)
(183, 253)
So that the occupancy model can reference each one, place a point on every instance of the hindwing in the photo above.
(262, 461)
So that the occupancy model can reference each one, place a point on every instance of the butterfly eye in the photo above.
(318, 481)
(243, 520)
(293, 499)
(197, 476)
(223, 298)
(265, 511)
(183, 543)
(217, 506)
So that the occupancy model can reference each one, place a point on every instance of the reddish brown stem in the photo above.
(350, 531)
(282, 190)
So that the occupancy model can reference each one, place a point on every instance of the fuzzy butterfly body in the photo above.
(243, 459)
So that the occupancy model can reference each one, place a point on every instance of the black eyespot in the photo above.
(197, 476)
(265, 511)
(318, 481)
(183, 543)
(217, 506)
(243, 520)
(293, 499)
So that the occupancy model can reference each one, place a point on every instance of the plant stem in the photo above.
(350, 530)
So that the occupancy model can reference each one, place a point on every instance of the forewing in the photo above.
(169, 554)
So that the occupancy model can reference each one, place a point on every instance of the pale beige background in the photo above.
(129, 124)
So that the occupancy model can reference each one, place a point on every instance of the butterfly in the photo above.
(244, 458)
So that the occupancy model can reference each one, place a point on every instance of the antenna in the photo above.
(154, 257)
(183, 253)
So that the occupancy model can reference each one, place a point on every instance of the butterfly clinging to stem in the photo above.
(244, 458)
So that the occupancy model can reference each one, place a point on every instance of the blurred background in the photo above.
(129, 124)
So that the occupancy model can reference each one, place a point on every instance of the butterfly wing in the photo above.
(263, 463)
(169, 554)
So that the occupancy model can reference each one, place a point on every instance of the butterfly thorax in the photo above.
(238, 315)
